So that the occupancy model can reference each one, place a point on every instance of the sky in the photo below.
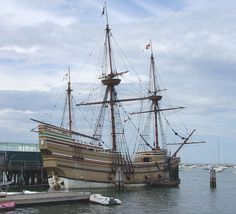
(194, 44)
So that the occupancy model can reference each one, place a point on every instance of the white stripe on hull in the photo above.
(79, 184)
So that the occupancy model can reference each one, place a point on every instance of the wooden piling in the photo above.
(212, 178)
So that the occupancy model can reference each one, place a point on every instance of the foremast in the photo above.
(68, 104)
(69, 90)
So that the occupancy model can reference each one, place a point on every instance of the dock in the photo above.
(46, 198)
(22, 163)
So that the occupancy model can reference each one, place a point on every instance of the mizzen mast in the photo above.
(155, 97)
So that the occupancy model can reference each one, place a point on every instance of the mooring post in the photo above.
(119, 180)
(212, 178)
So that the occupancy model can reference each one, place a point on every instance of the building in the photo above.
(21, 164)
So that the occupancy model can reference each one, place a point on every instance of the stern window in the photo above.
(146, 159)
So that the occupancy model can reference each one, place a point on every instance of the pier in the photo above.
(21, 164)
(44, 198)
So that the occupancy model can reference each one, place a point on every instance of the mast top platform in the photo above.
(155, 97)
(111, 82)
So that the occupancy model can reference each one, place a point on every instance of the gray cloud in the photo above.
(194, 45)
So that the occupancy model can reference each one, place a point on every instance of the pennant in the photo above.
(103, 11)
(65, 77)
(148, 46)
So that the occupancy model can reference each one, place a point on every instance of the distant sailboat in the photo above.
(218, 167)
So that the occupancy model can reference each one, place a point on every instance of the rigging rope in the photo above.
(176, 133)
(129, 118)
(128, 62)
(63, 114)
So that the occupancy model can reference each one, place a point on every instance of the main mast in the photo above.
(110, 83)
(110, 79)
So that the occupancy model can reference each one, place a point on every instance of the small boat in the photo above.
(207, 167)
(5, 194)
(104, 200)
(218, 168)
(24, 192)
(29, 192)
(4, 206)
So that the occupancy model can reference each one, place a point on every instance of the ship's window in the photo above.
(146, 159)
(46, 152)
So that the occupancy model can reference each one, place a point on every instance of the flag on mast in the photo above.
(65, 77)
(103, 11)
(148, 46)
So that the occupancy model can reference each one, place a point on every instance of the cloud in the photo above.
(19, 50)
(194, 46)
(22, 13)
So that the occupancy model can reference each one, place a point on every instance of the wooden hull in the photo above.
(72, 164)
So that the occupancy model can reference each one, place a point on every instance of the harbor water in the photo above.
(193, 196)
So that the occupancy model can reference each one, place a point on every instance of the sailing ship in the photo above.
(73, 163)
